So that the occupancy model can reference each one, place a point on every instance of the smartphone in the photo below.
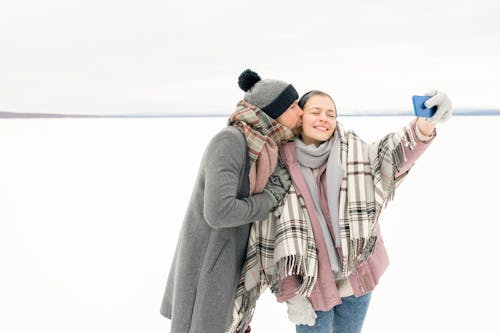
(420, 109)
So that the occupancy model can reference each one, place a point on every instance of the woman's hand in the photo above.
(443, 112)
(443, 104)
(300, 311)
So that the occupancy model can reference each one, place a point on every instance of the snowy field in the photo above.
(90, 211)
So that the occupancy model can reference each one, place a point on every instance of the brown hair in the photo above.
(303, 100)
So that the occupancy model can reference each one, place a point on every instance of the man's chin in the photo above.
(297, 130)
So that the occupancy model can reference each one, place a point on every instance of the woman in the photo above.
(345, 183)
(321, 251)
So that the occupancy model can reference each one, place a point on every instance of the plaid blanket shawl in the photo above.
(368, 185)
(280, 246)
(283, 244)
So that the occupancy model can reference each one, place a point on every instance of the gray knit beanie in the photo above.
(271, 96)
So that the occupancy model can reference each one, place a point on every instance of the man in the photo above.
(231, 191)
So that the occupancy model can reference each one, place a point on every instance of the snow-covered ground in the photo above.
(90, 211)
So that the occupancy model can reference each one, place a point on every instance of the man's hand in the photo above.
(278, 184)
(247, 105)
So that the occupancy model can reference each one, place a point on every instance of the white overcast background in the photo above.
(90, 209)
(185, 56)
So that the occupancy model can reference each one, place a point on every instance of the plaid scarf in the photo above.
(280, 246)
(264, 135)
(369, 183)
(284, 245)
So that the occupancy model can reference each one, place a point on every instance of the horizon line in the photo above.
(27, 115)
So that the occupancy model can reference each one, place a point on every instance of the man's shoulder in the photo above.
(229, 136)
(229, 144)
(232, 131)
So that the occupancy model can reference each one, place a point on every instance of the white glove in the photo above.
(300, 311)
(443, 103)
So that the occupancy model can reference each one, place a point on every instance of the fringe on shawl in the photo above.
(293, 265)
(304, 265)
(285, 267)
(391, 145)
(389, 155)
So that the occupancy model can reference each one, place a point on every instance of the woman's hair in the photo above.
(303, 100)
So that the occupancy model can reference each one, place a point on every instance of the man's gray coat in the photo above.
(211, 249)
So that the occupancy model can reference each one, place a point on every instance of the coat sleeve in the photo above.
(288, 288)
(415, 152)
(225, 160)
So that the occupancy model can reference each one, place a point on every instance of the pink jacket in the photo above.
(325, 295)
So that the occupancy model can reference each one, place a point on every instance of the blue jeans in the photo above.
(347, 317)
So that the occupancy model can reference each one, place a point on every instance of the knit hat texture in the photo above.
(271, 96)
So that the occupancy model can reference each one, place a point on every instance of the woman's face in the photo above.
(319, 120)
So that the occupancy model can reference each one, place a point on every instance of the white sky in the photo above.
(184, 57)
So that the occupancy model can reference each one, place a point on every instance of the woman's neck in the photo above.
(309, 141)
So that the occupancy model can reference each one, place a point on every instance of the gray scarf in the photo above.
(311, 157)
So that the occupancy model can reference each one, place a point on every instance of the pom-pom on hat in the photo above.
(271, 96)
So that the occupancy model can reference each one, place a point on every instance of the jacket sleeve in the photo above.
(414, 152)
(288, 288)
(225, 160)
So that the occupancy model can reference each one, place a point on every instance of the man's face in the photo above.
(292, 117)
